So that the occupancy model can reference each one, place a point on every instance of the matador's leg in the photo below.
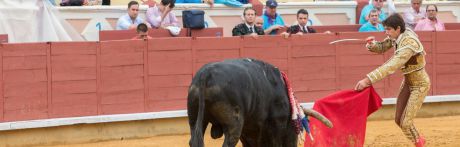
(401, 102)
(419, 85)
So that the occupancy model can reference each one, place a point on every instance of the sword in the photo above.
(342, 40)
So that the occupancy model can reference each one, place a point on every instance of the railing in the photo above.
(70, 79)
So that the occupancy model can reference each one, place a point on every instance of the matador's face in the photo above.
(392, 33)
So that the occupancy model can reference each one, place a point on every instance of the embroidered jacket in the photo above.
(409, 55)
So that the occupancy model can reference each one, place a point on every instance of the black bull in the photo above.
(246, 100)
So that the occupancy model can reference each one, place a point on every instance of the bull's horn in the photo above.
(318, 116)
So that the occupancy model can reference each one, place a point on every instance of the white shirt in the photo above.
(249, 27)
(410, 15)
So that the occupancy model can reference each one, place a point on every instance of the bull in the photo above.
(243, 99)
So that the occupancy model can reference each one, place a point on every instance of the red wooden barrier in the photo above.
(129, 34)
(211, 49)
(207, 32)
(447, 61)
(121, 87)
(74, 79)
(452, 26)
(170, 68)
(155, 33)
(337, 28)
(312, 65)
(52, 80)
(25, 81)
(116, 35)
(3, 38)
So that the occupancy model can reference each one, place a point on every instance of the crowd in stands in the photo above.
(415, 17)
(159, 15)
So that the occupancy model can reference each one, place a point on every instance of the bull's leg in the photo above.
(231, 120)
(244, 142)
(233, 132)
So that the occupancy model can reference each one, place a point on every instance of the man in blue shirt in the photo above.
(131, 20)
(272, 20)
(376, 4)
(374, 24)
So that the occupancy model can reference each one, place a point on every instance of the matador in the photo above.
(409, 57)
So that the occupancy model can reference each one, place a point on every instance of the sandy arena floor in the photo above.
(439, 132)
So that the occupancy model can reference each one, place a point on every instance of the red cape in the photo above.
(348, 111)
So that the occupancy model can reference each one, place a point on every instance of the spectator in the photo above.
(414, 14)
(431, 23)
(301, 28)
(259, 22)
(374, 24)
(131, 20)
(248, 27)
(272, 20)
(142, 32)
(376, 4)
(161, 16)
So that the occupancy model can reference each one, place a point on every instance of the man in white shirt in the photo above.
(414, 14)
(131, 20)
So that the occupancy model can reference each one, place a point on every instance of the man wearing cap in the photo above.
(272, 20)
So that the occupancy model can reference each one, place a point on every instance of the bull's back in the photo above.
(249, 83)
(241, 74)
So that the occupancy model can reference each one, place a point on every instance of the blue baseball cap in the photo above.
(271, 3)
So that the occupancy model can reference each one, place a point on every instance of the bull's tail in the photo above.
(197, 139)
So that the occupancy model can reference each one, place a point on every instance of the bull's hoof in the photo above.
(216, 131)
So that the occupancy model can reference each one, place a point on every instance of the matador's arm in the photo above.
(380, 47)
(402, 55)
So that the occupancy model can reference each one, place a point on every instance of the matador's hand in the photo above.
(370, 42)
(364, 83)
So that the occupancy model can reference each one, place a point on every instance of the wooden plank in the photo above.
(207, 32)
(208, 43)
(170, 80)
(178, 43)
(24, 62)
(25, 49)
(73, 48)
